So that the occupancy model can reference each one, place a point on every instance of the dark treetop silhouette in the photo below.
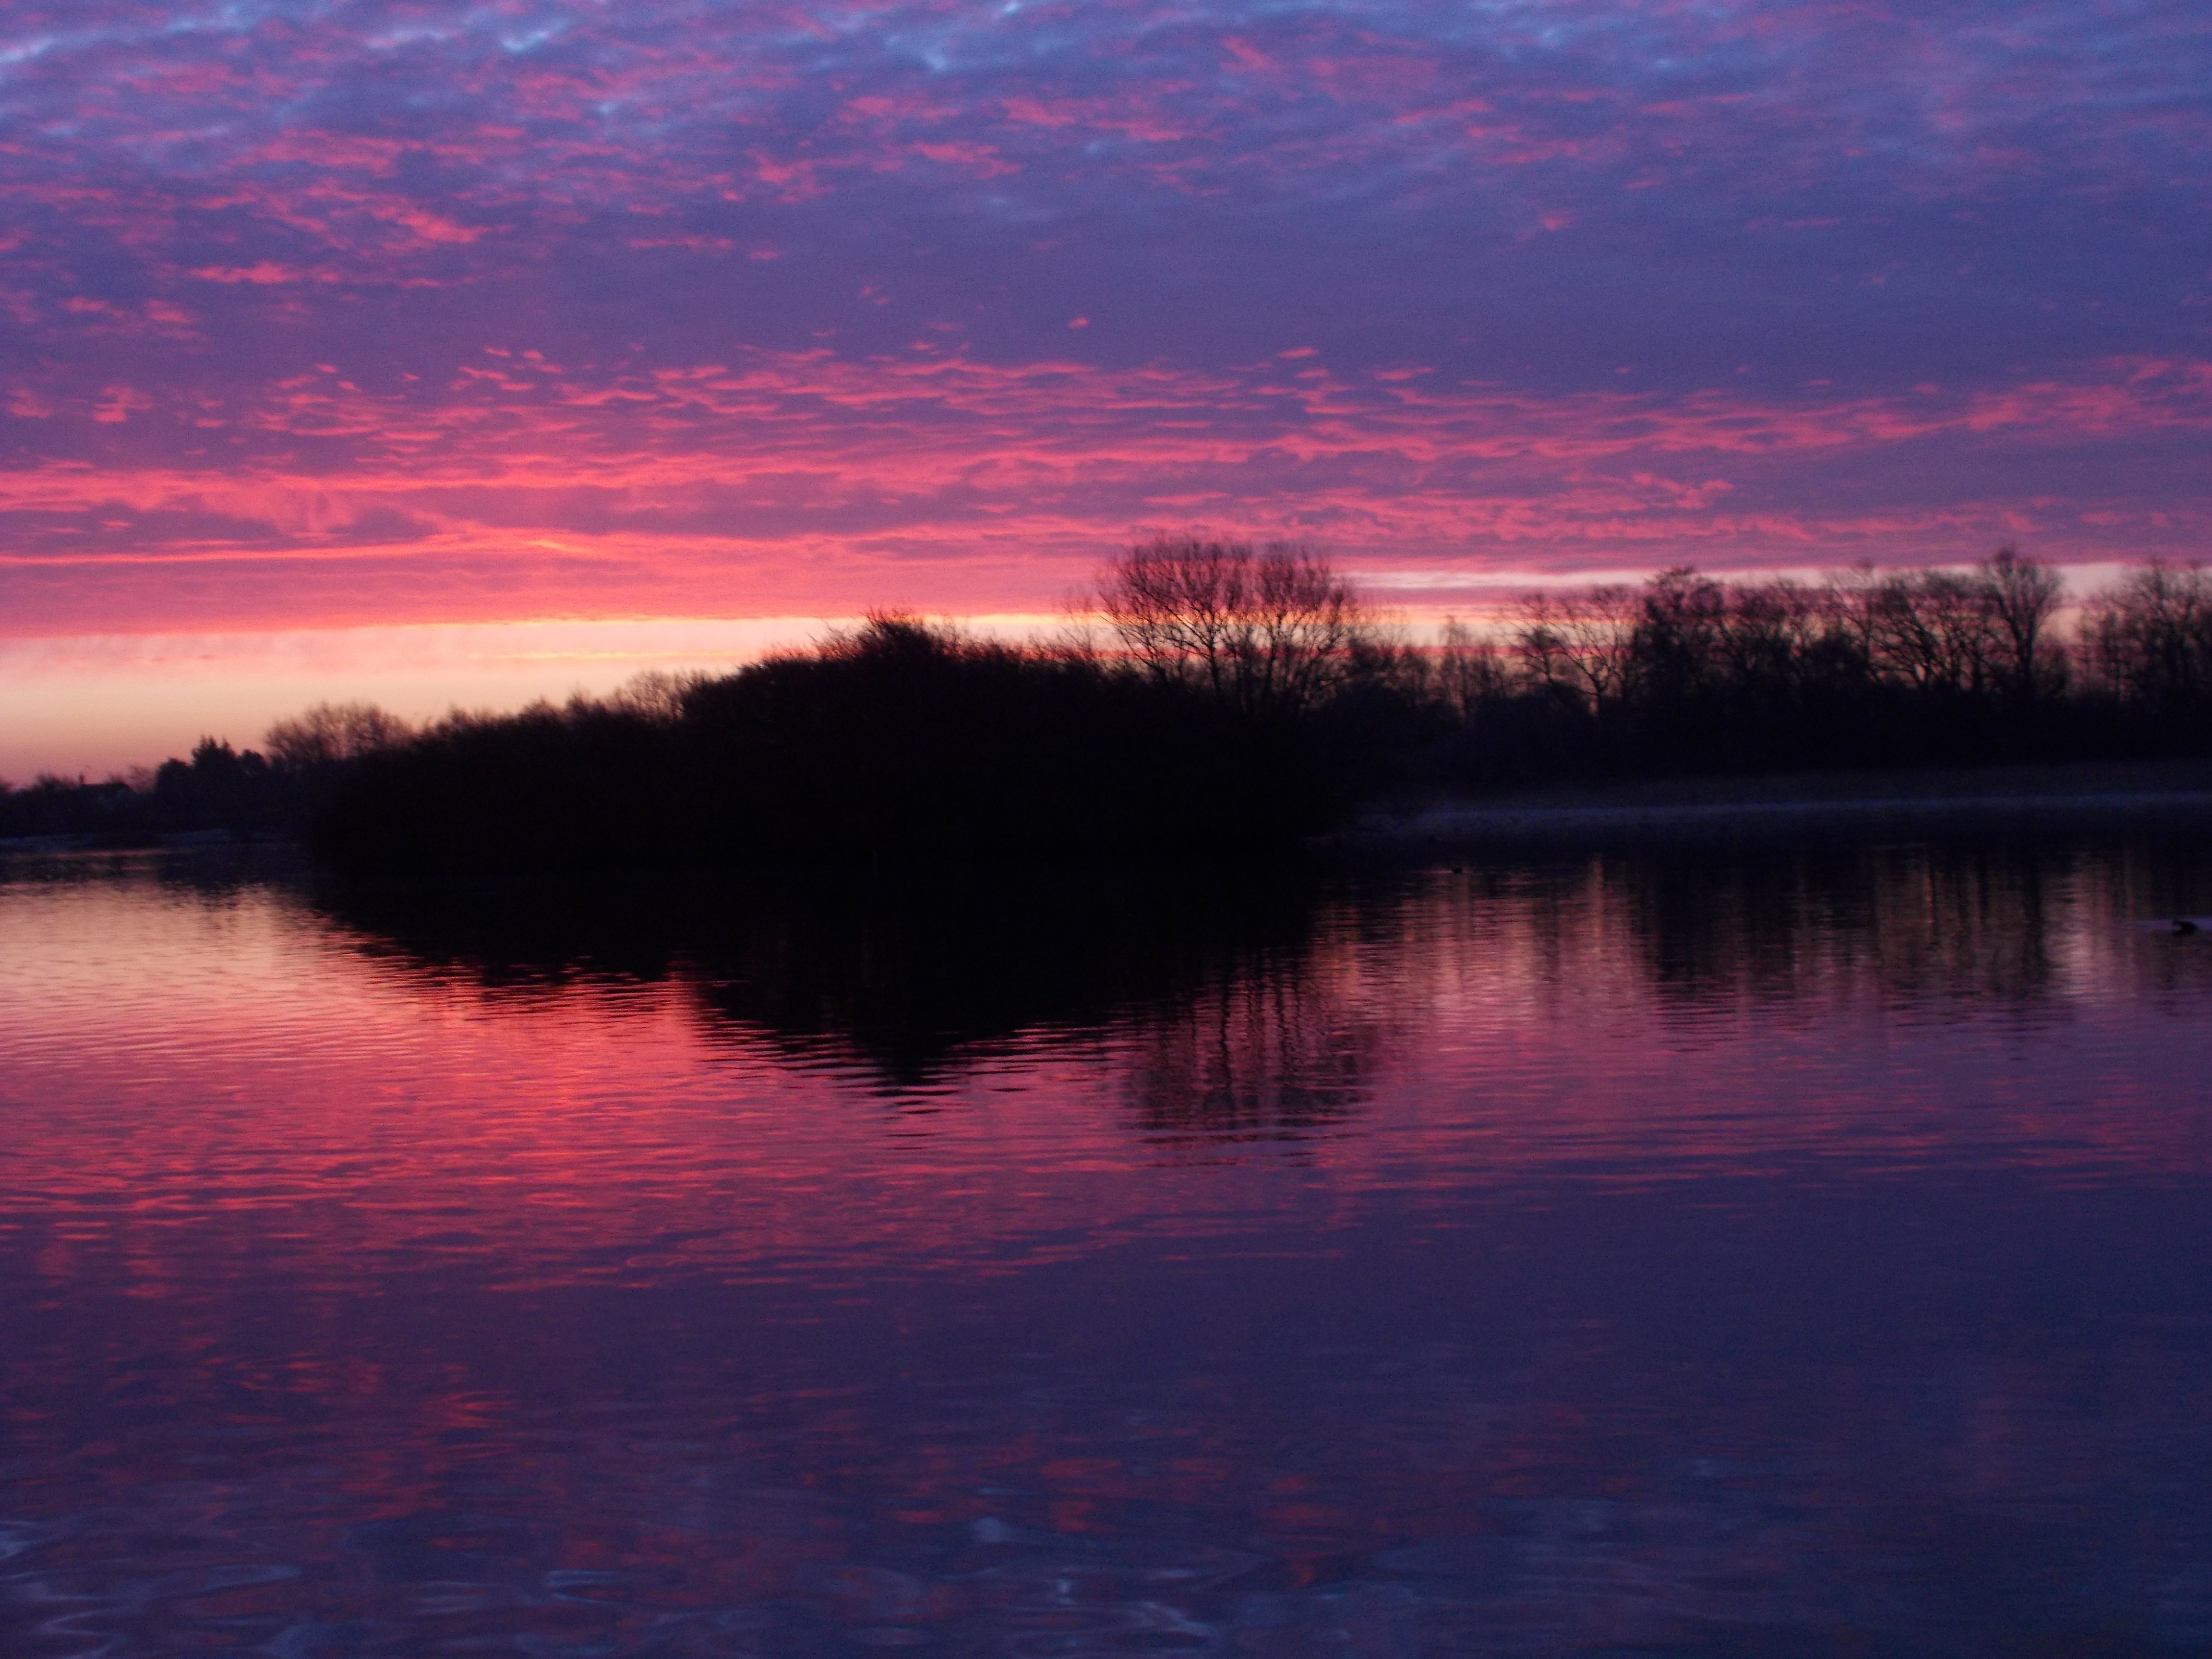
(1242, 700)
(1208, 734)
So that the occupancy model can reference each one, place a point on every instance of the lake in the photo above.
(1759, 1249)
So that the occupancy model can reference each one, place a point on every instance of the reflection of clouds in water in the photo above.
(1367, 1507)
(1668, 1253)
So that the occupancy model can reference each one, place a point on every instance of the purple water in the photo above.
(1778, 1250)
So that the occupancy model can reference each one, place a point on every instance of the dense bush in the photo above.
(900, 740)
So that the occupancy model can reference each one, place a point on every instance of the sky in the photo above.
(461, 352)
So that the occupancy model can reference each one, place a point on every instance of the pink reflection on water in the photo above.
(179, 1056)
(1579, 1253)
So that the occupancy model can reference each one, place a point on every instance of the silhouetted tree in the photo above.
(1469, 671)
(1252, 703)
(2024, 598)
(1581, 645)
(1936, 629)
(330, 734)
(900, 739)
(1270, 628)
(1691, 674)
(2149, 641)
(219, 788)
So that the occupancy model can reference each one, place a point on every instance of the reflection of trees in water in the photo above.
(2136, 885)
(1206, 981)
(1965, 924)
(1275, 1052)
(1265, 1006)
(218, 875)
(1913, 921)
(915, 980)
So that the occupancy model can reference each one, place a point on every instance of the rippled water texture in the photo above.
(1800, 1251)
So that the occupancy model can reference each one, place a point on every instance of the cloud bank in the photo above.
(320, 314)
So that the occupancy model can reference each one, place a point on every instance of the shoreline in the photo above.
(2087, 795)
(2080, 796)
(174, 840)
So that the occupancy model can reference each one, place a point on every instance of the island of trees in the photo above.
(1225, 699)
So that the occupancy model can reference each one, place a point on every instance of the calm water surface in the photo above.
(1807, 1251)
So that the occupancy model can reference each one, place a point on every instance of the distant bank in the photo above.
(2081, 794)
(1224, 702)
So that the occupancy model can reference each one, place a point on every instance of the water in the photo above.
(1796, 1251)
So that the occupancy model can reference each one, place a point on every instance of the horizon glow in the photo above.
(324, 318)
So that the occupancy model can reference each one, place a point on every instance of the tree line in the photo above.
(1223, 698)
(272, 791)
(1687, 674)
(899, 739)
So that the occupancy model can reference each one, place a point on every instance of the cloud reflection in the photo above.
(1521, 1257)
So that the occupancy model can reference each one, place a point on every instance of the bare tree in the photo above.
(1170, 603)
(1853, 597)
(1468, 670)
(1771, 629)
(1935, 630)
(1680, 635)
(2023, 597)
(1269, 628)
(331, 732)
(2149, 639)
(1581, 643)
(656, 695)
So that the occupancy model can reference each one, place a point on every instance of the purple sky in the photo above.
(331, 314)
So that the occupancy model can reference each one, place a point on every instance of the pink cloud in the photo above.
(813, 482)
